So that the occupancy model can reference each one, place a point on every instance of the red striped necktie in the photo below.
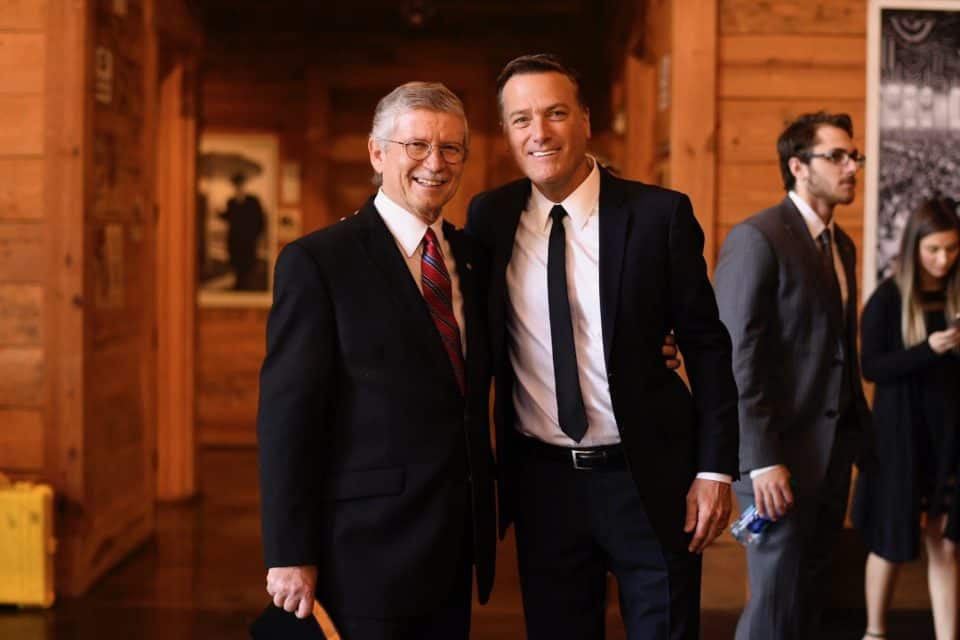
(438, 293)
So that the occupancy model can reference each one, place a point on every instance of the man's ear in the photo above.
(797, 167)
(376, 155)
(586, 121)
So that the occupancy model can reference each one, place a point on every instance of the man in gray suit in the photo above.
(786, 288)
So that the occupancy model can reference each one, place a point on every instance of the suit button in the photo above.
(610, 375)
(830, 413)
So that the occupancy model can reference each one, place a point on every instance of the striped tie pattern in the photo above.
(438, 293)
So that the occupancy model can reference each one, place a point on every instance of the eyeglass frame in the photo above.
(858, 158)
(430, 148)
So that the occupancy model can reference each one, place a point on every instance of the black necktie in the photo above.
(826, 254)
(570, 411)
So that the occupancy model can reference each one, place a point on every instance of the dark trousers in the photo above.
(788, 569)
(573, 526)
(449, 621)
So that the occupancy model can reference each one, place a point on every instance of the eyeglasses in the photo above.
(839, 157)
(421, 150)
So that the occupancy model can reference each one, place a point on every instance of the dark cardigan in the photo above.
(887, 503)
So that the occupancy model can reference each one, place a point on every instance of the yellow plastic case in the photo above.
(27, 544)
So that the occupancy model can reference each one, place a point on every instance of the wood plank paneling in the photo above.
(21, 62)
(693, 122)
(781, 50)
(801, 83)
(749, 128)
(22, 257)
(746, 189)
(65, 89)
(23, 15)
(231, 346)
(21, 188)
(21, 384)
(21, 315)
(640, 97)
(176, 289)
(794, 16)
(22, 130)
(21, 439)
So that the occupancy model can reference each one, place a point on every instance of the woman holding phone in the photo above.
(910, 341)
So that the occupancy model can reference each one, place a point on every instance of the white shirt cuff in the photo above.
(756, 472)
(717, 477)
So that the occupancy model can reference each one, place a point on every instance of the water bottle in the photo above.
(749, 527)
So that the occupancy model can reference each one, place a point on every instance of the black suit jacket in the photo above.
(652, 279)
(372, 463)
(790, 342)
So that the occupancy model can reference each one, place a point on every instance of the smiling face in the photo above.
(937, 255)
(421, 187)
(547, 130)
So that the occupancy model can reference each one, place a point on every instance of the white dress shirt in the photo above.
(815, 226)
(408, 231)
(528, 319)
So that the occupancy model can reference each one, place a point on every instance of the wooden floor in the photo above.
(202, 577)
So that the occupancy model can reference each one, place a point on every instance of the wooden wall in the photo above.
(776, 61)
(76, 272)
(23, 224)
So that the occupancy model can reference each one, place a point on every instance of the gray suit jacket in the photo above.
(789, 344)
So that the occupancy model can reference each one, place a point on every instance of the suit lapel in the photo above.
(845, 249)
(513, 204)
(614, 223)
(382, 250)
(464, 265)
(822, 280)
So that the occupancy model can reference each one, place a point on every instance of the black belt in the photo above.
(580, 458)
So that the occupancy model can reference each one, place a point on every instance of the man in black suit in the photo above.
(375, 464)
(787, 289)
(607, 463)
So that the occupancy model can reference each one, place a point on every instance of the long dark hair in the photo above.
(933, 216)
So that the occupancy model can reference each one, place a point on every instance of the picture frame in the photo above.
(913, 120)
(237, 216)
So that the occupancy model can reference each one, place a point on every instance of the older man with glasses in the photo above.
(375, 461)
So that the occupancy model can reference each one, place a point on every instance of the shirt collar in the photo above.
(580, 205)
(407, 229)
(814, 222)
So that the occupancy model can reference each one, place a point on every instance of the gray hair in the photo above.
(432, 96)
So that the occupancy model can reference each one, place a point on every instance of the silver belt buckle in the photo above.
(586, 455)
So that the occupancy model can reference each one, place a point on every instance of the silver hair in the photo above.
(432, 96)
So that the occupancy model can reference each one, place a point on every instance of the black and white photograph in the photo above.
(236, 218)
(913, 112)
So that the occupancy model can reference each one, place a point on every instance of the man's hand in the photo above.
(292, 588)
(671, 359)
(772, 493)
(708, 511)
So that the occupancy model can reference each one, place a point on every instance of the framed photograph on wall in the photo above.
(913, 120)
(237, 211)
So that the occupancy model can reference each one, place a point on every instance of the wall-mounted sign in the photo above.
(663, 83)
(103, 75)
